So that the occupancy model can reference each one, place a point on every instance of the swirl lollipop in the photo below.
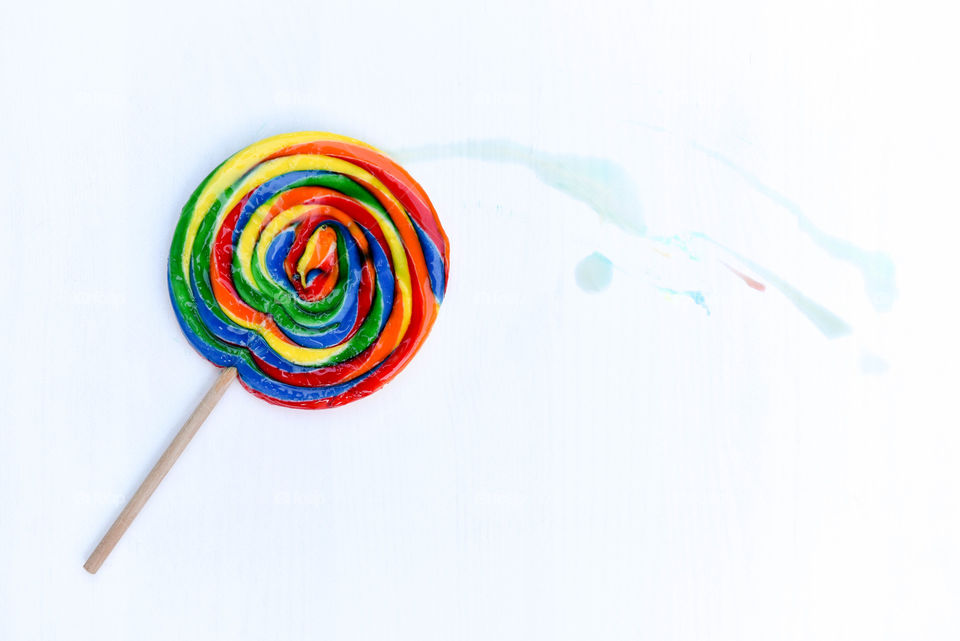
(309, 265)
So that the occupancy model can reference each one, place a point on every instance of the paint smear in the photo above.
(831, 325)
(594, 273)
(695, 295)
(877, 268)
(751, 282)
(607, 189)
(601, 184)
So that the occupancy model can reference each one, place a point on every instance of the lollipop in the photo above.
(310, 266)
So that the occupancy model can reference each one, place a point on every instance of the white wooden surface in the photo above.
(554, 464)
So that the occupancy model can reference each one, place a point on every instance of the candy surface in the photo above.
(313, 264)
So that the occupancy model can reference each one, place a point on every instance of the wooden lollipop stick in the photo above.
(167, 459)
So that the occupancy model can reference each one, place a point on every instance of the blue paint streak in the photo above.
(695, 295)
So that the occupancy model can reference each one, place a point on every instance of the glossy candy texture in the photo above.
(313, 264)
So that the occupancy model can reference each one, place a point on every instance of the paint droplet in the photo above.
(594, 273)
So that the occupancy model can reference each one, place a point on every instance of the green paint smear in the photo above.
(601, 184)
(594, 273)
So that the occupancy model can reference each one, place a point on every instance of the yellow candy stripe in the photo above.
(244, 298)
(277, 340)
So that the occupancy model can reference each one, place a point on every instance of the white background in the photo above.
(554, 464)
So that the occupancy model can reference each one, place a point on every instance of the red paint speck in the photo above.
(751, 282)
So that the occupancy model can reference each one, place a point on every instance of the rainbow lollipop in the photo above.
(311, 266)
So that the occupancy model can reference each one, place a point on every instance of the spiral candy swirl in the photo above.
(313, 264)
